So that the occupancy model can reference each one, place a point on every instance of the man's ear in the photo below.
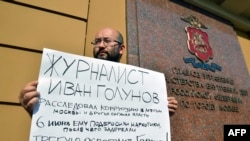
(122, 49)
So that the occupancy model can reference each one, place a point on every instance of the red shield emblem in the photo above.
(198, 44)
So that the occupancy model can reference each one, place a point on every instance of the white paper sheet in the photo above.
(87, 99)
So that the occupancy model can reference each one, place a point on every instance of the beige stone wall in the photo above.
(29, 26)
(244, 41)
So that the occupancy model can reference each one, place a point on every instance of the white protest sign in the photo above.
(87, 99)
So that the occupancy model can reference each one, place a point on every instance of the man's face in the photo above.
(107, 46)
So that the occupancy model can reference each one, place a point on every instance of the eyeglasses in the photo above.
(106, 41)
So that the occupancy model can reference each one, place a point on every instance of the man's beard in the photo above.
(106, 56)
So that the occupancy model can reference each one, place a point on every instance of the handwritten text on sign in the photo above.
(86, 99)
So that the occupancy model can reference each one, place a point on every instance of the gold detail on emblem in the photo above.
(194, 22)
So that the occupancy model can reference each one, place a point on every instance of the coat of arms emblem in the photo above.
(198, 40)
(198, 44)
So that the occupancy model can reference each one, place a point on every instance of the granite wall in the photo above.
(212, 89)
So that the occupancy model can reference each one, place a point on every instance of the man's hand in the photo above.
(28, 96)
(172, 105)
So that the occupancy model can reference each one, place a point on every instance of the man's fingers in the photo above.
(30, 105)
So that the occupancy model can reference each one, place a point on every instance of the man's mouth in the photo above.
(102, 52)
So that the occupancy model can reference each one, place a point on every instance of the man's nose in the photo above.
(102, 44)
